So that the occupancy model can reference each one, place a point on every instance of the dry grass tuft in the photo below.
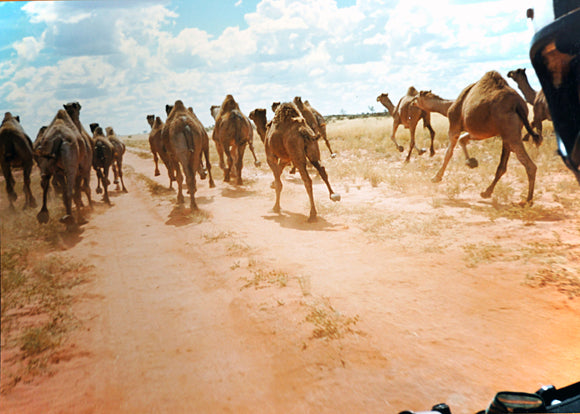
(328, 322)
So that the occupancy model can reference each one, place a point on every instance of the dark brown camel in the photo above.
(102, 161)
(289, 139)
(58, 154)
(16, 152)
(157, 149)
(488, 108)
(183, 136)
(407, 115)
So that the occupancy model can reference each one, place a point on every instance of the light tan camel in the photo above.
(16, 152)
(535, 98)
(407, 115)
(157, 149)
(85, 150)
(118, 153)
(58, 153)
(289, 139)
(488, 108)
(215, 113)
(315, 121)
(183, 136)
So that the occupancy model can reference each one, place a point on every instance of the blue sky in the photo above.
(125, 59)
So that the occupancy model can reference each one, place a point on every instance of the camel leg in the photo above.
(208, 166)
(501, 169)
(453, 137)
(432, 134)
(228, 169)
(104, 178)
(530, 167)
(308, 185)
(190, 169)
(120, 174)
(7, 171)
(276, 166)
(257, 162)
(220, 150)
(99, 190)
(179, 179)
(30, 200)
(43, 215)
(322, 171)
(240, 162)
(463, 141)
(395, 126)
(156, 161)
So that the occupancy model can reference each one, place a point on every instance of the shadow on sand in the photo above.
(298, 221)
(237, 192)
(182, 216)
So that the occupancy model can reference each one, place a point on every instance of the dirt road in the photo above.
(238, 309)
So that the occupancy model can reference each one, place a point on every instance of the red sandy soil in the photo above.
(176, 320)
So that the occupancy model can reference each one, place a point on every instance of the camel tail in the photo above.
(189, 138)
(523, 116)
(100, 152)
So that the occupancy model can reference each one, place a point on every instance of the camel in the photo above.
(203, 171)
(488, 108)
(258, 115)
(157, 149)
(102, 160)
(58, 152)
(231, 133)
(183, 135)
(315, 120)
(118, 152)
(289, 139)
(535, 98)
(85, 149)
(215, 112)
(16, 152)
(429, 102)
(408, 116)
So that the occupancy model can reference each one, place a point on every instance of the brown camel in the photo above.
(58, 150)
(289, 139)
(118, 153)
(102, 160)
(215, 112)
(16, 152)
(535, 98)
(85, 149)
(183, 135)
(407, 115)
(258, 115)
(231, 133)
(157, 149)
(488, 108)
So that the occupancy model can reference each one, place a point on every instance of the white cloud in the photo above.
(29, 47)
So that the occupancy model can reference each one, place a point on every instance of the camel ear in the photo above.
(17, 117)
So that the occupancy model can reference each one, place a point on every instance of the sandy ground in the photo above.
(243, 310)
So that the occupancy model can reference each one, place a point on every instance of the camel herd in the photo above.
(65, 152)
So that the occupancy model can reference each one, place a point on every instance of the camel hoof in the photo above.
(211, 184)
(335, 197)
(157, 173)
(42, 217)
(422, 151)
(312, 219)
(472, 163)
(257, 163)
(485, 194)
(68, 220)
(400, 148)
(436, 179)
(333, 155)
(432, 153)
(99, 190)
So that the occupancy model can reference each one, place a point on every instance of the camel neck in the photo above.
(527, 90)
(389, 105)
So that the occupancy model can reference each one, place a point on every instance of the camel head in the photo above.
(150, 120)
(93, 126)
(110, 131)
(73, 109)
(168, 109)
(258, 115)
(98, 132)
(517, 74)
(215, 111)
(275, 106)
(382, 97)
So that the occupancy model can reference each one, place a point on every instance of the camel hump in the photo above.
(98, 131)
(412, 91)
(229, 104)
(285, 112)
(158, 122)
(493, 79)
